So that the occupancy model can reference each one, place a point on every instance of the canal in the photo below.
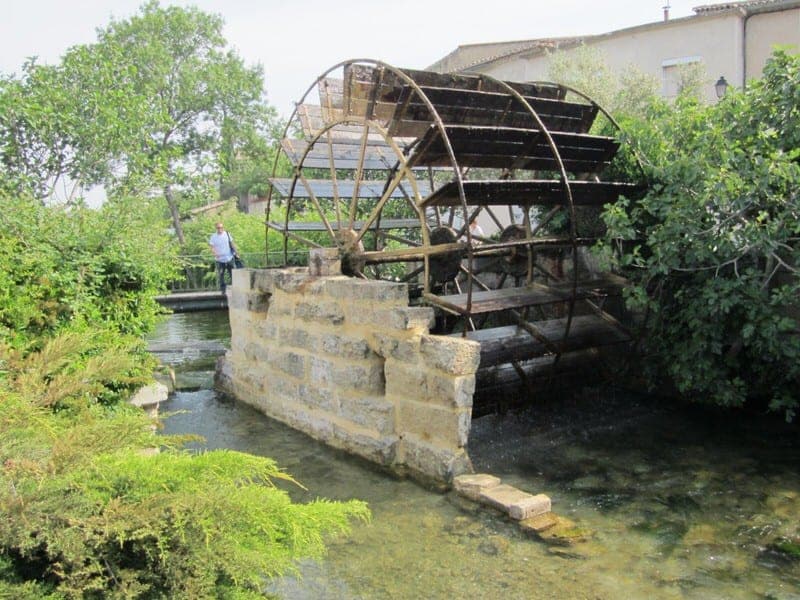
(669, 502)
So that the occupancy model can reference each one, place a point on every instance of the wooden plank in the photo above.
(385, 224)
(483, 107)
(378, 156)
(511, 343)
(324, 188)
(313, 120)
(499, 192)
(504, 248)
(506, 160)
(410, 254)
(506, 147)
(520, 297)
(363, 75)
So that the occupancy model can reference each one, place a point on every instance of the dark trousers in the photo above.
(222, 268)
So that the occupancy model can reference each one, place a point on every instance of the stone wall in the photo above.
(348, 362)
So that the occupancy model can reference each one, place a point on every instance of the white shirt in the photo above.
(221, 247)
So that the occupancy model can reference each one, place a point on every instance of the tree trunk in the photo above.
(173, 210)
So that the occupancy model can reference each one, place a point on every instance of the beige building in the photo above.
(731, 40)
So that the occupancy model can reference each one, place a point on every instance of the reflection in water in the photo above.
(674, 503)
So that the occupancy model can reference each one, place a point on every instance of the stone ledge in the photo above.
(149, 396)
(515, 503)
(471, 486)
(531, 512)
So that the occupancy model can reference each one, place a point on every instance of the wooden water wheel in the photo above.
(393, 165)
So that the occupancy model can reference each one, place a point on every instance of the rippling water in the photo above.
(669, 503)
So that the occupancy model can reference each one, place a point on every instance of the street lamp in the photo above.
(721, 86)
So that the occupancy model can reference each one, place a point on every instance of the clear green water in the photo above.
(675, 503)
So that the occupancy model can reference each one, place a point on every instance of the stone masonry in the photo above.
(348, 362)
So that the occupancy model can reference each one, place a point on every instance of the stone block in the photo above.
(448, 390)
(281, 389)
(320, 312)
(317, 397)
(320, 371)
(515, 503)
(363, 315)
(258, 302)
(315, 423)
(400, 346)
(290, 281)
(242, 279)
(264, 280)
(370, 412)
(406, 318)
(362, 442)
(471, 486)
(266, 330)
(282, 305)
(404, 381)
(223, 373)
(258, 352)
(432, 462)
(417, 317)
(237, 300)
(367, 377)
(240, 322)
(452, 355)
(440, 426)
(248, 379)
(288, 362)
(564, 533)
(250, 301)
(149, 396)
(323, 262)
(343, 346)
(347, 288)
(539, 523)
(532, 506)
(296, 337)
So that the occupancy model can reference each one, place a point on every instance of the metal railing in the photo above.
(200, 274)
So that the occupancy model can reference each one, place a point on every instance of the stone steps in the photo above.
(489, 490)
(531, 511)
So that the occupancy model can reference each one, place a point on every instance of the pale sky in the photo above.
(296, 41)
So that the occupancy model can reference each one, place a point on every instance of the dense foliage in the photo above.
(88, 513)
(714, 245)
(80, 268)
(85, 511)
(156, 107)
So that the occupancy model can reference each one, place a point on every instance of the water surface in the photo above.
(671, 503)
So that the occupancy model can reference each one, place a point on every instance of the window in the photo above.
(678, 73)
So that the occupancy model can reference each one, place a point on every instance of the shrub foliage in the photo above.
(714, 245)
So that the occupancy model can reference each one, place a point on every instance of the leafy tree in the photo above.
(157, 105)
(60, 127)
(626, 92)
(714, 245)
(204, 103)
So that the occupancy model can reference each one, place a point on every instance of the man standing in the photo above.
(223, 248)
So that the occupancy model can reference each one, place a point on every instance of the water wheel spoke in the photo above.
(317, 206)
(362, 151)
(409, 276)
(334, 179)
(387, 194)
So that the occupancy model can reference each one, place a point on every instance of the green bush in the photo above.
(86, 513)
(73, 267)
(714, 245)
